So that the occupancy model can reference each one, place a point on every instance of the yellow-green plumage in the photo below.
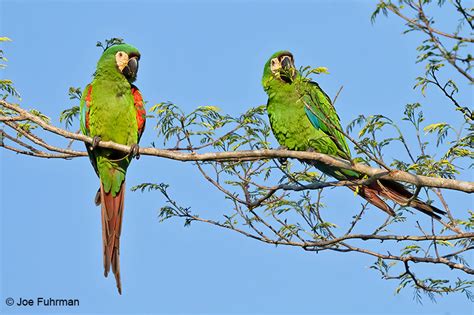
(112, 116)
(303, 118)
(289, 105)
(112, 110)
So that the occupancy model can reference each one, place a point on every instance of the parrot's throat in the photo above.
(110, 72)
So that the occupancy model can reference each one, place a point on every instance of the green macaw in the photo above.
(112, 110)
(303, 118)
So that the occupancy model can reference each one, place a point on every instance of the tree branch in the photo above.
(427, 28)
(395, 175)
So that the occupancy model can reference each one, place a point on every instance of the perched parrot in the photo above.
(303, 118)
(112, 109)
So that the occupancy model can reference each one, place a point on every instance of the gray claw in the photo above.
(95, 142)
(135, 151)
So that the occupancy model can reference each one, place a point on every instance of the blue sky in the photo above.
(193, 53)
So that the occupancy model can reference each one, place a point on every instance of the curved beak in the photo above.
(286, 62)
(288, 71)
(131, 69)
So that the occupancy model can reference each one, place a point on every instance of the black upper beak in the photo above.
(286, 62)
(288, 71)
(130, 71)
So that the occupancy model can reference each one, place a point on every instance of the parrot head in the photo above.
(123, 58)
(280, 66)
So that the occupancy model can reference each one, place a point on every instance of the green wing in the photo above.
(323, 116)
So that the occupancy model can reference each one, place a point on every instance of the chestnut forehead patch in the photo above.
(134, 55)
(287, 54)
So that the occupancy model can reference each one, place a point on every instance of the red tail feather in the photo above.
(112, 213)
(372, 195)
(396, 192)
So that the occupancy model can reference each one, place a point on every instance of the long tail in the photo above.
(379, 189)
(396, 192)
(112, 213)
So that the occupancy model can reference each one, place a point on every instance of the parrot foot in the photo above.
(283, 161)
(95, 142)
(135, 151)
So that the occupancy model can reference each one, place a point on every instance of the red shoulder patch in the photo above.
(140, 110)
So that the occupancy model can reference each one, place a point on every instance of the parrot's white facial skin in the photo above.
(121, 58)
(283, 67)
(275, 65)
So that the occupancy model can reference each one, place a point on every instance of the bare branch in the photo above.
(427, 28)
